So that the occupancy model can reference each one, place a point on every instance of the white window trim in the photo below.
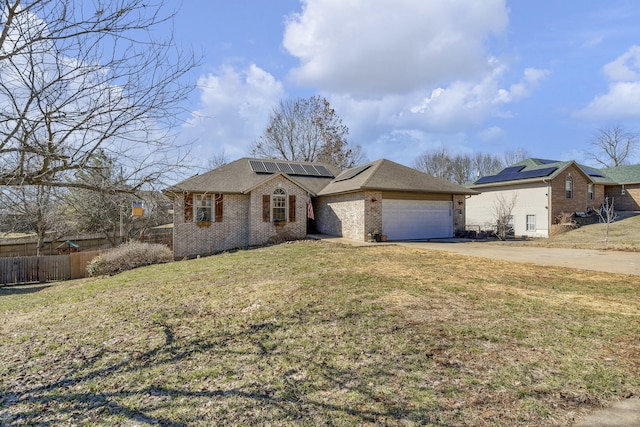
(198, 204)
(530, 226)
(277, 193)
(568, 187)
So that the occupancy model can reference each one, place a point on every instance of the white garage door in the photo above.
(416, 219)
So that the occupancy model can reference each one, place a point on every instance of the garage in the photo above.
(416, 219)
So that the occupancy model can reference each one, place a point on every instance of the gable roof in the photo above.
(629, 174)
(241, 177)
(536, 170)
(386, 175)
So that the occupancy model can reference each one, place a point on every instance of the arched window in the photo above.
(568, 187)
(279, 205)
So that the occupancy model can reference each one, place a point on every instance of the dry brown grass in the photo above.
(624, 235)
(318, 334)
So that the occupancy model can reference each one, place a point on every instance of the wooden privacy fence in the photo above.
(31, 269)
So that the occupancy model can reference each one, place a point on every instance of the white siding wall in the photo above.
(531, 200)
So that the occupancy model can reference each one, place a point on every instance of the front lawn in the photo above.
(312, 333)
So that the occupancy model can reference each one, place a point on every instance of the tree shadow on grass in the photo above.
(21, 289)
(278, 397)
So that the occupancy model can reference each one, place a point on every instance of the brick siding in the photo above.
(630, 201)
(190, 239)
(580, 201)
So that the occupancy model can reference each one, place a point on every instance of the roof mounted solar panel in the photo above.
(310, 170)
(592, 172)
(271, 167)
(324, 171)
(514, 176)
(352, 173)
(285, 167)
(298, 169)
(547, 161)
(257, 166)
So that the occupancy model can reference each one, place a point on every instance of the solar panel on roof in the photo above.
(512, 176)
(310, 170)
(298, 169)
(592, 172)
(352, 173)
(271, 167)
(324, 171)
(257, 166)
(547, 161)
(285, 167)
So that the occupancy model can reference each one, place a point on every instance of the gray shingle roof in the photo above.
(239, 177)
(386, 175)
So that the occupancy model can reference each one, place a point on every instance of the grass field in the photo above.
(624, 234)
(311, 333)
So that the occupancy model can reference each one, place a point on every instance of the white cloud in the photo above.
(621, 101)
(233, 111)
(626, 67)
(371, 48)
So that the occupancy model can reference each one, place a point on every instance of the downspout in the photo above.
(548, 206)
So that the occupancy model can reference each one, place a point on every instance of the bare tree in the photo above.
(307, 130)
(613, 146)
(459, 168)
(436, 163)
(34, 209)
(503, 214)
(219, 159)
(514, 156)
(607, 215)
(78, 77)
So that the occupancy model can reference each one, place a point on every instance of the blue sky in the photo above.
(409, 76)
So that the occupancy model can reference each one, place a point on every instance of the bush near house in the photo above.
(127, 257)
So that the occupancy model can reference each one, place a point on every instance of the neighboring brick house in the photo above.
(252, 202)
(544, 190)
(626, 192)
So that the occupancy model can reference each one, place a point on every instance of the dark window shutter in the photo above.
(188, 207)
(218, 200)
(292, 208)
(266, 208)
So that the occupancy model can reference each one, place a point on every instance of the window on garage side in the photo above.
(590, 191)
(531, 223)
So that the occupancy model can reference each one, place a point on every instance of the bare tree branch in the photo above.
(613, 146)
(78, 77)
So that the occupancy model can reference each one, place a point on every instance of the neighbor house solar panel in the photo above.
(592, 172)
(509, 174)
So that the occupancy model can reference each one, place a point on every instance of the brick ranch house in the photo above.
(546, 189)
(252, 202)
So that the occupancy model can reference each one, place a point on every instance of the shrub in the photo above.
(127, 257)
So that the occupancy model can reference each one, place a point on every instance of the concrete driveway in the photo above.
(585, 259)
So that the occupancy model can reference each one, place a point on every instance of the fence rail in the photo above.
(32, 269)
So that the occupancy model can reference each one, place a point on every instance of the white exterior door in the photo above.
(416, 219)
